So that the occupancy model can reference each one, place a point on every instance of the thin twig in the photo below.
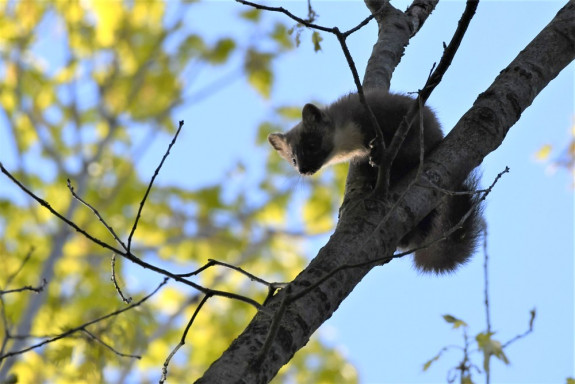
(156, 172)
(47, 205)
(126, 300)
(459, 224)
(95, 211)
(19, 269)
(212, 262)
(274, 328)
(287, 13)
(37, 289)
(486, 280)
(127, 254)
(385, 259)
(433, 80)
(449, 192)
(83, 326)
(97, 339)
(522, 335)
(183, 339)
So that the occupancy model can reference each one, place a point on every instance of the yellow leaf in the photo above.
(317, 212)
(109, 14)
(8, 101)
(258, 68)
(29, 13)
(11, 74)
(73, 11)
(543, 153)
(67, 73)
(148, 13)
(261, 80)
(273, 212)
(25, 132)
(44, 98)
(171, 299)
(128, 61)
(9, 29)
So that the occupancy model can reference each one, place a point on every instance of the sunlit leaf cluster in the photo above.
(87, 88)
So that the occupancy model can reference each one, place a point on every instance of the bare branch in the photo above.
(387, 259)
(37, 289)
(19, 269)
(212, 262)
(522, 335)
(434, 79)
(486, 280)
(100, 341)
(287, 13)
(95, 211)
(83, 326)
(183, 339)
(46, 205)
(126, 300)
(128, 255)
(156, 172)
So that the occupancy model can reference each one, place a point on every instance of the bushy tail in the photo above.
(447, 254)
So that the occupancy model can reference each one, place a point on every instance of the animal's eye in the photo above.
(293, 161)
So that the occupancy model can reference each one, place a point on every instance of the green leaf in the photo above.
(221, 51)
(317, 212)
(430, 361)
(264, 130)
(252, 15)
(455, 321)
(316, 39)
(290, 113)
(258, 68)
(490, 348)
(281, 35)
(192, 45)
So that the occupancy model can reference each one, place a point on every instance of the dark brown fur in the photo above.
(342, 132)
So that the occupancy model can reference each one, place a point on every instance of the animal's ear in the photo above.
(312, 114)
(280, 144)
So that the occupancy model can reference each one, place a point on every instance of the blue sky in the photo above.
(391, 324)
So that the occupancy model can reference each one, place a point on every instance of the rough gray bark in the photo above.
(395, 30)
(361, 234)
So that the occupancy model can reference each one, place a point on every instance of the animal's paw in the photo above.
(375, 153)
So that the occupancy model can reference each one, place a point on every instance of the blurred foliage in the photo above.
(86, 88)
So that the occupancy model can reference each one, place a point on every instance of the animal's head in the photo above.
(309, 145)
